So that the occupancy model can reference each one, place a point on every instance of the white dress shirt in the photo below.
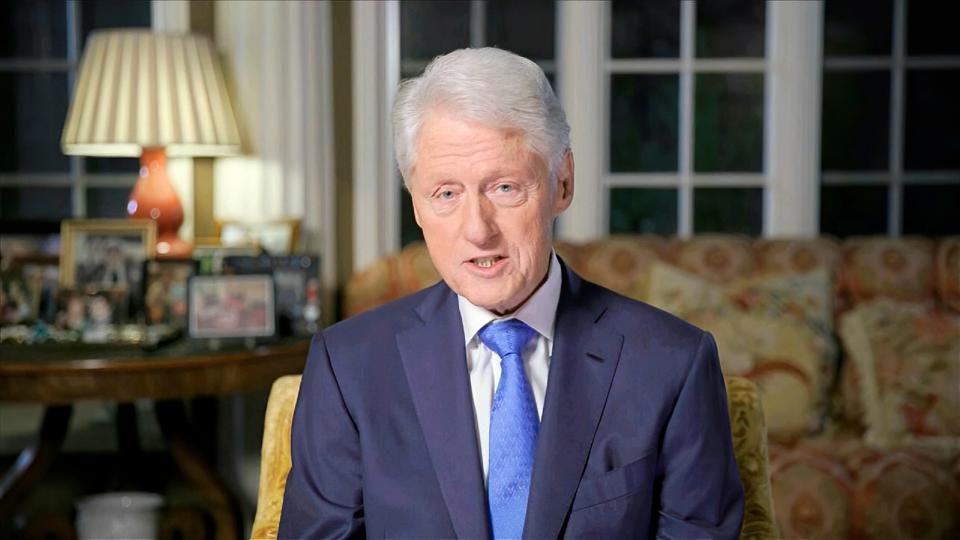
(538, 312)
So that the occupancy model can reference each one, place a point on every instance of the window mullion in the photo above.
(897, 76)
(688, 17)
(478, 23)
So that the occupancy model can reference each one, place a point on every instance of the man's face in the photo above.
(486, 204)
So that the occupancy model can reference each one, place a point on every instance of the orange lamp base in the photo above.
(153, 197)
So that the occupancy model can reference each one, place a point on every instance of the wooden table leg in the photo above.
(35, 460)
(172, 417)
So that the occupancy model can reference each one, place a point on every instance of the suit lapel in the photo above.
(434, 359)
(585, 357)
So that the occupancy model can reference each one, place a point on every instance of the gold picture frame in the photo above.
(276, 237)
(87, 244)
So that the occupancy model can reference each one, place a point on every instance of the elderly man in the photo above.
(512, 399)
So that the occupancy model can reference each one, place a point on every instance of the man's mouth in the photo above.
(486, 262)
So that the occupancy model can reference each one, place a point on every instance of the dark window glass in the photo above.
(409, 230)
(100, 14)
(856, 28)
(728, 210)
(34, 29)
(35, 203)
(526, 28)
(853, 210)
(932, 28)
(33, 107)
(931, 210)
(730, 28)
(430, 28)
(107, 202)
(648, 29)
(129, 166)
(856, 120)
(643, 211)
(728, 123)
(931, 135)
(643, 122)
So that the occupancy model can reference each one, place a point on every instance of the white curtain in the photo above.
(276, 56)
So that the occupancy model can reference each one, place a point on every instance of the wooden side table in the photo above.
(58, 376)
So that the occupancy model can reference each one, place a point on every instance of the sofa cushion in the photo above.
(812, 491)
(905, 361)
(717, 258)
(775, 330)
(899, 268)
(622, 263)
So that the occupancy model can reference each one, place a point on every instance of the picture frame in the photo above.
(107, 255)
(29, 286)
(165, 287)
(297, 283)
(231, 306)
(276, 237)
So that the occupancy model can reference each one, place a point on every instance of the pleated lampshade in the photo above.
(139, 89)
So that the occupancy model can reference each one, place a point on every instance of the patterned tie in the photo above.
(513, 429)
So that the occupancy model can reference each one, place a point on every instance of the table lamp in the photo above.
(149, 94)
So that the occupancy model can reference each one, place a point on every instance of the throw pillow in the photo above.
(775, 330)
(907, 359)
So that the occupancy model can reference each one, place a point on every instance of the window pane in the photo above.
(100, 14)
(730, 28)
(526, 28)
(728, 129)
(644, 119)
(128, 166)
(409, 230)
(932, 28)
(34, 29)
(851, 28)
(728, 210)
(645, 29)
(33, 107)
(856, 120)
(429, 28)
(35, 204)
(931, 137)
(107, 202)
(853, 210)
(643, 210)
(931, 210)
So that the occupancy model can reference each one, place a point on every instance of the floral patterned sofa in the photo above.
(854, 345)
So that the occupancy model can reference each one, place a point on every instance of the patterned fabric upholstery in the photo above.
(275, 456)
(746, 420)
(821, 485)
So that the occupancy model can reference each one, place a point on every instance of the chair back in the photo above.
(746, 422)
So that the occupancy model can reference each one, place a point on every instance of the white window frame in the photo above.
(76, 178)
(791, 134)
(791, 165)
(896, 64)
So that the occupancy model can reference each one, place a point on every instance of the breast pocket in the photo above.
(631, 478)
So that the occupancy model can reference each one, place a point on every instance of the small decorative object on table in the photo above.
(231, 306)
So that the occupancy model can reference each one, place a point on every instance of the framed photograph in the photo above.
(279, 237)
(297, 283)
(107, 255)
(165, 284)
(231, 306)
(28, 289)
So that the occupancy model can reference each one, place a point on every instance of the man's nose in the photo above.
(480, 225)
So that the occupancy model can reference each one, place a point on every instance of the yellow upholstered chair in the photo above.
(746, 419)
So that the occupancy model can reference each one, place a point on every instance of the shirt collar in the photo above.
(538, 312)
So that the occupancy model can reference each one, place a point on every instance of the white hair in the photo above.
(487, 85)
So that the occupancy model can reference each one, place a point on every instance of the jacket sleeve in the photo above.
(323, 497)
(700, 494)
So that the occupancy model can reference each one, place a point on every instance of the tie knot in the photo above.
(506, 337)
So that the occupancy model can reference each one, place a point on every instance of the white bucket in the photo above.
(122, 515)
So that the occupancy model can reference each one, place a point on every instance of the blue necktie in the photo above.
(513, 429)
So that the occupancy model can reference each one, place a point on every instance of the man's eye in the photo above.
(446, 194)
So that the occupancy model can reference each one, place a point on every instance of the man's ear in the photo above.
(564, 188)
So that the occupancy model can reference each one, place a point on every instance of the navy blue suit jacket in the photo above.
(634, 439)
